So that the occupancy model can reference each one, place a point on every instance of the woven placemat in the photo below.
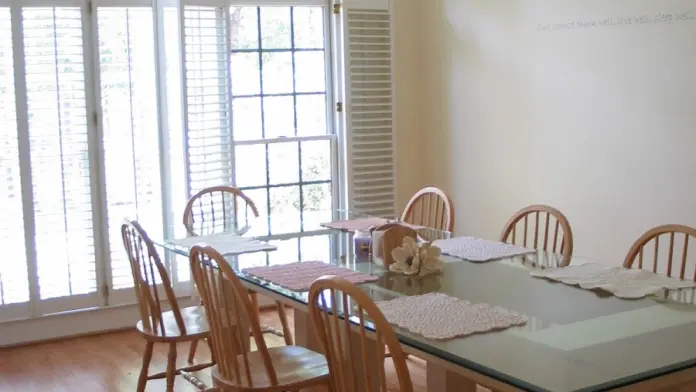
(299, 276)
(438, 316)
(479, 250)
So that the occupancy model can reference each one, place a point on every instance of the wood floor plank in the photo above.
(111, 363)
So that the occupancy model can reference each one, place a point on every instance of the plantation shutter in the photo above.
(59, 134)
(367, 50)
(128, 103)
(208, 141)
(14, 277)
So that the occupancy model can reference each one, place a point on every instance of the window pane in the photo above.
(285, 209)
(279, 117)
(315, 248)
(316, 205)
(60, 165)
(250, 165)
(259, 226)
(246, 118)
(244, 28)
(316, 160)
(309, 71)
(244, 69)
(249, 260)
(311, 115)
(277, 72)
(287, 252)
(275, 28)
(283, 163)
(309, 27)
(14, 280)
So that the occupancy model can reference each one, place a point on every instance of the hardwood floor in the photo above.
(111, 362)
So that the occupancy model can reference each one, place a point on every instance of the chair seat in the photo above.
(295, 367)
(195, 323)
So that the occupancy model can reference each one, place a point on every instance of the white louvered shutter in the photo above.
(208, 142)
(367, 51)
(14, 277)
(128, 92)
(58, 127)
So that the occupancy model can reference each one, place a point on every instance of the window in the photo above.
(270, 115)
(115, 109)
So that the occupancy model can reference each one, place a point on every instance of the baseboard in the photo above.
(71, 324)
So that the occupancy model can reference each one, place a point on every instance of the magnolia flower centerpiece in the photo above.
(412, 258)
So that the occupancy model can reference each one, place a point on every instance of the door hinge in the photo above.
(105, 291)
(89, 7)
(339, 107)
(337, 8)
(95, 118)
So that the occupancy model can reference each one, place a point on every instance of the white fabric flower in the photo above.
(414, 259)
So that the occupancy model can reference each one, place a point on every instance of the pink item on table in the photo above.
(299, 276)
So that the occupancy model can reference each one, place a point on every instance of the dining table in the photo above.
(575, 340)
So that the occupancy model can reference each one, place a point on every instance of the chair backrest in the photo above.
(652, 238)
(430, 207)
(229, 309)
(351, 363)
(217, 209)
(545, 217)
(149, 277)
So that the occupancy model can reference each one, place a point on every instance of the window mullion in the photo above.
(21, 102)
(96, 153)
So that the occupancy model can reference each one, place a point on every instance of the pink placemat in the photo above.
(479, 250)
(353, 225)
(438, 316)
(299, 276)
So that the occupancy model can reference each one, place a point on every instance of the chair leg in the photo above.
(287, 334)
(147, 357)
(254, 302)
(192, 351)
(171, 367)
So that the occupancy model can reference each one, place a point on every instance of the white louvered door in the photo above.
(130, 141)
(14, 290)
(55, 70)
(368, 90)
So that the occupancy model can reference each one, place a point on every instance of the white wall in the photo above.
(599, 122)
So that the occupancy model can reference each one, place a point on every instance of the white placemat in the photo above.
(622, 282)
(440, 317)
(227, 244)
(479, 250)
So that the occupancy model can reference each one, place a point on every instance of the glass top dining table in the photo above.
(575, 339)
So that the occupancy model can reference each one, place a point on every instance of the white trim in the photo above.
(285, 140)
(261, 3)
(95, 137)
(49, 3)
(73, 323)
(121, 3)
(5, 3)
(383, 5)
(203, 3)
(184, 98)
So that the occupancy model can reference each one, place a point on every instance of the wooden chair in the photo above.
(215, 210)
(228, 306)
(158, 326)
(562, 233)
(637, 250)
(353, 358)
(430, 207)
